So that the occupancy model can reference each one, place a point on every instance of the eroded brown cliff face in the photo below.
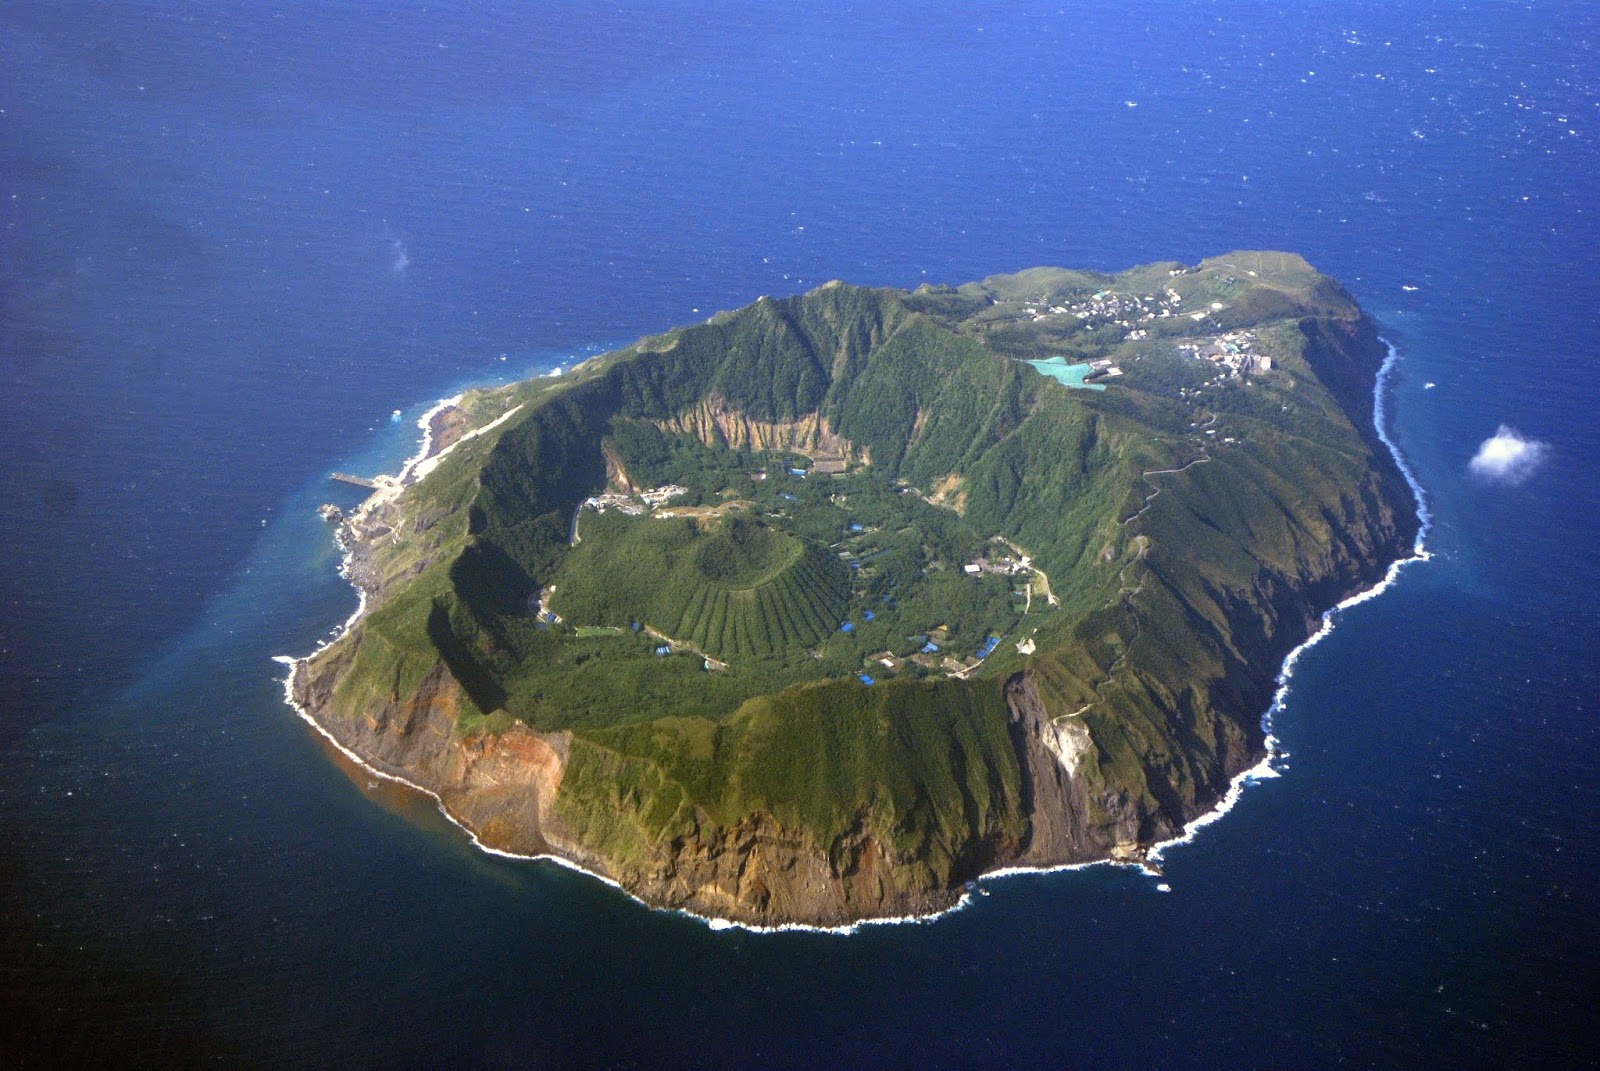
(501, 786)
(758, 873)
(1065, 826)
(498, 785)
(714, 424)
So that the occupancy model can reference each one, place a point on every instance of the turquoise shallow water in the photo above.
(1068, 375)
(236, 238)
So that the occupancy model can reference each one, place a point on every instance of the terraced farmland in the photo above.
(740, 589)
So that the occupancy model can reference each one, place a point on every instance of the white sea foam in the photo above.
(426, 464)
(1380, 420)
(719, 924)
(1270, 766)
(425, 422)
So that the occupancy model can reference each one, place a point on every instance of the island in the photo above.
(822, 609)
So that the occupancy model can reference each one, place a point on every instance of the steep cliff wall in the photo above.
(713, 423)
(501, 785)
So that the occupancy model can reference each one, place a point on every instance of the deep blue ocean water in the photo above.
(234, 237)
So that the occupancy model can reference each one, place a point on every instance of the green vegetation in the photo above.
(735, 588)
(707, 651)
(802, 758)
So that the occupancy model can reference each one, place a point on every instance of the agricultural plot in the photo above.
(735, 588)
(814, 576)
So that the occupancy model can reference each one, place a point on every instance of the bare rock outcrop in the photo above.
(714, 424)
(498, 785)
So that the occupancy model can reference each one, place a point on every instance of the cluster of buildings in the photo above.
(1003, 565)
(635, 505)
(541, 606)
(1234, 351)
(1106, 307)
(933, 656)
(1013, 561)
(849, 547)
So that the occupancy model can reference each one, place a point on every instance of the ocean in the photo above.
(237, 237)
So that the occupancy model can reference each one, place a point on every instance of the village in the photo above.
(1234, 351)
(1127, 311)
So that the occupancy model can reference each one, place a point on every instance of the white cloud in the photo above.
(1507, 457)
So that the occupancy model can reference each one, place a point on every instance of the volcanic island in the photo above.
(820, 610)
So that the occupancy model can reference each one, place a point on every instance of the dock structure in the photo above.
(358, 481)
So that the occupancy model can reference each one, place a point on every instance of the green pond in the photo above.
(1070, 375)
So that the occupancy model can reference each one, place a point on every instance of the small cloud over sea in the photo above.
(1508, 457)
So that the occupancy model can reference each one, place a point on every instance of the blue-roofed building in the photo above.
(869, 615)
(930, 648)
(798, 472)
(857, 528)
(847, 627)
(663, 650)
(867, 680)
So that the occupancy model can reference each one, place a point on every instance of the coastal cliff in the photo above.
(1185, 527)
